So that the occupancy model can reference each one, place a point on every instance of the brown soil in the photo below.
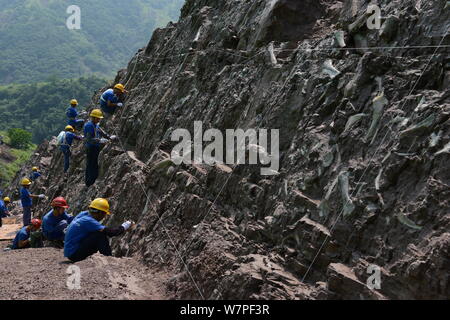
(40, 274)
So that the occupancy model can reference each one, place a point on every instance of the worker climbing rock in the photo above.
(4, 212)
(35, 174)
(28, 236)
(112, 99)
(72, 114)
(86, 235)
(26, 200)
(55, 222)
(95, 137)
(65, 140)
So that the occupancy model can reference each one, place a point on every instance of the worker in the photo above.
(112, 98)
(26, 200)
(35, 174)
(56, 221)
(72, 114)
(94, 138)
(4, 212)
(67, 141)
(22, 239)
(86, 235)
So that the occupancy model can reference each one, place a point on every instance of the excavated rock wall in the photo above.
(364, 151)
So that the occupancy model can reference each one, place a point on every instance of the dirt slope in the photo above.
(40, 274)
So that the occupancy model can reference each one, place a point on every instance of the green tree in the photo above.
(19, 138)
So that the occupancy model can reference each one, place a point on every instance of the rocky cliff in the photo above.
(363, 116)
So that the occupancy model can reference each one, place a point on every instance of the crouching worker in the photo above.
(112, 99)
(28, 237)
(56, 221)
(35, 174)
(86, 235)
(72, 115)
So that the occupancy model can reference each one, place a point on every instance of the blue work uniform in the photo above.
(65, 148)
(22, 235)
(108, 95)
(84, 239)
(27, 202)
(34, 176)
(72, 114)
(53, 227)
(92, 133)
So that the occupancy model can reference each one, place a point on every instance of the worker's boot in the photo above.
(58, 244)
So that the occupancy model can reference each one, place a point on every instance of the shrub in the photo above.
(19, 138)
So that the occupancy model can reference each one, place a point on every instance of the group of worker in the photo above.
(94, 136)
(82, 235)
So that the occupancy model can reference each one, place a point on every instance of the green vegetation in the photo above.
(19, 138)
(11, 160)
(40, 108)
(36, 43)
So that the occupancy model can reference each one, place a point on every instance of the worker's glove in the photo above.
(113, 138)
(41, 196)
(83, 113)
(120, 104)
(126, 225)
(103, 141)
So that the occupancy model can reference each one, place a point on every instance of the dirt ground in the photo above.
(44, 274)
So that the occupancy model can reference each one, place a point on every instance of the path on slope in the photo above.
(41, 274)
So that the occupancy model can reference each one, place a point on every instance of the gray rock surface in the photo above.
(359, 183)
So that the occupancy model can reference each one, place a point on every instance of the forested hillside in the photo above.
(11, 159)
(36, 43)
(40, 107)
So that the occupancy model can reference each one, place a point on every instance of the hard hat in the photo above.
(100, 204)
(69, 128)
(74, 102)
(35, 169)
(59, 202)
(25, 182)
(36, 223)
(97, 113)
(119, 87)
(7, 199)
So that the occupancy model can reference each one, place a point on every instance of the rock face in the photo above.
(364, 176)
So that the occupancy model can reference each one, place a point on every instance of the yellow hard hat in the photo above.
(97, 113)
(35, 169)
(70, 128)
(119, 87)
(100, 204)
(7, 199)
(25, 182)
(73, 102)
